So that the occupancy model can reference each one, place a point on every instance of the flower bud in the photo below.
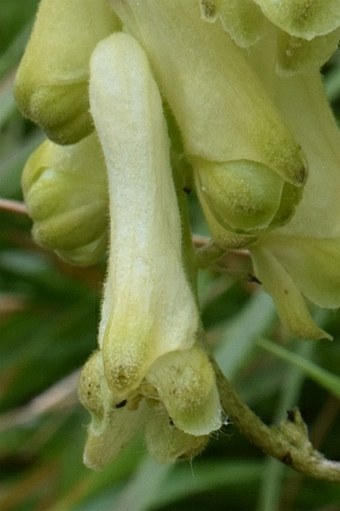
(51, 86)
(303, 34)
(185, 382)
(65, 191)
(148, 308)
(224, 238)
(243, 196)
(302, 258)
(220, 105)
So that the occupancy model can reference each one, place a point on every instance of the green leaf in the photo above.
(321, 376)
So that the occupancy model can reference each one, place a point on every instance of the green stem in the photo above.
(287, 442)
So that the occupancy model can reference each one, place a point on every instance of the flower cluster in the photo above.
(136, 95)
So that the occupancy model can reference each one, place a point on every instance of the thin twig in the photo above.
(60, 395)
(200, 241)
(13, 206)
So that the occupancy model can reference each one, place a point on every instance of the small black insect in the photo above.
(253, 278)
(121, 404)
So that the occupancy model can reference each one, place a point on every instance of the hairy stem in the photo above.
(287, 442)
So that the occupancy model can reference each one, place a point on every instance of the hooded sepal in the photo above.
(51, 86)
(148, 308)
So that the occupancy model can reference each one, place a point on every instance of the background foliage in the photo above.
(48, 317)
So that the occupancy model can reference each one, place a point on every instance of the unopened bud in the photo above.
(243, 195)
(51, 86)
(65, 192)
(220, 104)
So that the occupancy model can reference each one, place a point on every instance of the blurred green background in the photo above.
(48, 322)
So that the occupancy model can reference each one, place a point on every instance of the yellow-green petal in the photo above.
(165, 442)
(242, 19)
(296, 55)
(90, 388)
(303, 18)
(289, 301)
(185, 382)
(313, 264)
(113, 421)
